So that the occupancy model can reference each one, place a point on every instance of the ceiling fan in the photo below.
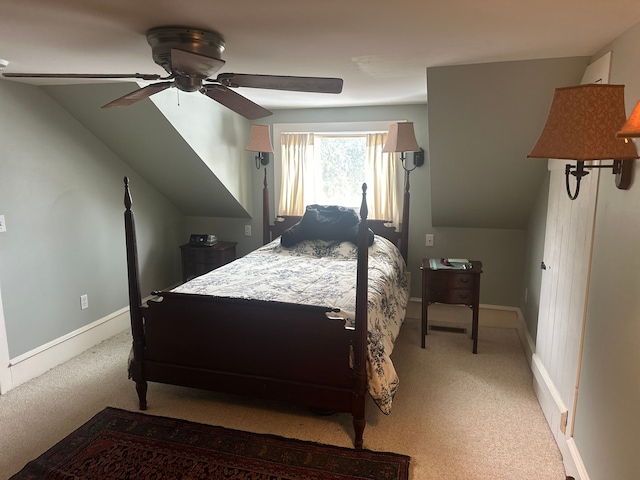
(191, 56)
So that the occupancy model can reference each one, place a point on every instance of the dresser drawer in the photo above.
(451, 280)
(201, 255)
(451, 296)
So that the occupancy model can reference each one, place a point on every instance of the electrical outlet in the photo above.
(3, 225)
(84, 301)
(247, 230)
(429, 240)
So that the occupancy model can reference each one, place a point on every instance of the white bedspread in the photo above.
(323, 273)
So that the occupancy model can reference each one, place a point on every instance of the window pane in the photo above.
(341, 160)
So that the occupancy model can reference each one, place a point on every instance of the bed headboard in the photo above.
(379, 227)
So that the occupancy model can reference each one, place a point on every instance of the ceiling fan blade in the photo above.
(141, 76)
(239, 104)
(281, 82)
(194, 64)
(137, 95)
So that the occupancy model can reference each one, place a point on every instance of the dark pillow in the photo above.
(321, 222)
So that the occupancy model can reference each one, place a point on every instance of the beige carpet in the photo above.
(458, 415)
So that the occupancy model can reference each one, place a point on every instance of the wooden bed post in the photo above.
(266, 238)
(360, 348)
(135, 298)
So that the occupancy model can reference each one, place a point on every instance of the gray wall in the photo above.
(192, 152)
(501, 248)
(483, 121)
(502, 251)
(607, 422)
(62, 197)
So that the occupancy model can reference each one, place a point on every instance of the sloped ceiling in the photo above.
(483, 121)
(147, 140)
(380, 48)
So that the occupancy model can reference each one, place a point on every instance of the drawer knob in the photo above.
(464, 280)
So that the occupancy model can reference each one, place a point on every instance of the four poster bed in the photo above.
(313, 324)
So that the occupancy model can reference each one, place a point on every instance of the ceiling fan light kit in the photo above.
(191, 57)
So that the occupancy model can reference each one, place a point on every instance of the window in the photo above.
(338, 170)
(329, 168)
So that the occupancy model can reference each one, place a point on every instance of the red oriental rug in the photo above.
(117, 444)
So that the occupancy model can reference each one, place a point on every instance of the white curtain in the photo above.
(296, 182)
(381, 174)
(382, 180)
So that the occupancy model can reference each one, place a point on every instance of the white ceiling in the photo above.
(380, 48)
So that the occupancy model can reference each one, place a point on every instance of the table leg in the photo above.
(423, 330)
(474, 329)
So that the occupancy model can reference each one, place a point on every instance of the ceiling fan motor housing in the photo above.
(202, 42)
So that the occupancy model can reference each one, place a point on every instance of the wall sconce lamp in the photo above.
(260, 142)
(400, 139)
(582, 125)
(631, 129)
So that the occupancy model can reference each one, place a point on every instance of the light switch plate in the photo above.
(3, 225)
(429, 240)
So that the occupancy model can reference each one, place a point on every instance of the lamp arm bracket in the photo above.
(622, 169)
(403, 159)
(262, 158)
(577, 171)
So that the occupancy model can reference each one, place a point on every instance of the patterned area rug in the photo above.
(117, 444)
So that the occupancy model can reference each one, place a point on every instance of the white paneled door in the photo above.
(563, 296)
(564, 293)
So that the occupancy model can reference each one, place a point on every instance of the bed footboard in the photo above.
(263, 349)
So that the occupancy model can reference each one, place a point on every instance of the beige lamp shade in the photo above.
(582, 125)
(631, 128)
(260, 139)
(401, 138)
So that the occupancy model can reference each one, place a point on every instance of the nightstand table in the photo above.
(198, 260)
(451, 286)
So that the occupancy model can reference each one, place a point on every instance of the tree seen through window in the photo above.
(341, 161)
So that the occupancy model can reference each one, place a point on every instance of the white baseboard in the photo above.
(460, 315)
(5, 373)
(528, 344)
(37, 361)
(554, 411)
(576, 467)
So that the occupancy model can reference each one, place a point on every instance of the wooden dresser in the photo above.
(197, 260)
(451, 286)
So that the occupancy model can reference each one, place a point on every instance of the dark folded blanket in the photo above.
(321, 222)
